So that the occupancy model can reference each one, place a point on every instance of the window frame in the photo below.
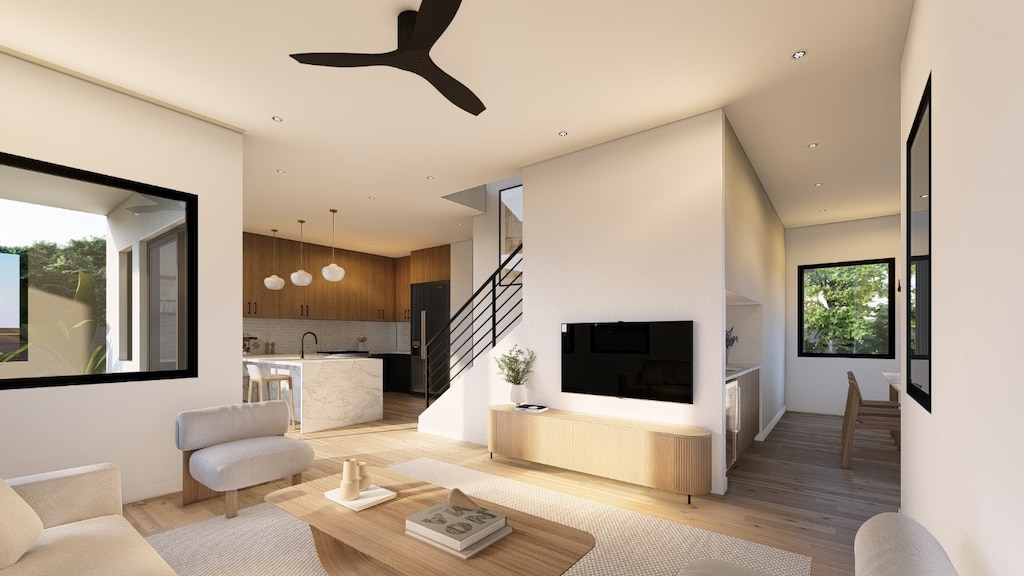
(891, 332)
(190, 203)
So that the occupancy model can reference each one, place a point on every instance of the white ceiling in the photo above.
(594, 68)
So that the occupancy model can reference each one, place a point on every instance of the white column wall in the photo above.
(53, 117)
(819, 385)
(961, 473)
(755, 267)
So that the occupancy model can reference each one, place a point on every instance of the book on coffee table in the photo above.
(372, 496)
(469, 551)
(454, 527)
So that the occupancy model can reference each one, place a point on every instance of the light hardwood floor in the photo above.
(788, 491)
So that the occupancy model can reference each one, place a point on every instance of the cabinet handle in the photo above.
(248, 307)
(255, 308)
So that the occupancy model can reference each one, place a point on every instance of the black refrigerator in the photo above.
(435, 299)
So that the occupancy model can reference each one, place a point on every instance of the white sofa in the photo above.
(892, 544)
(82, 530)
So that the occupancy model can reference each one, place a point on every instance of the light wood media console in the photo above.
(663, 456)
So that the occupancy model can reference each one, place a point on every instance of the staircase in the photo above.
(478, 325)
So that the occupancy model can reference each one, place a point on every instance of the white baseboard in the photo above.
(771, 426)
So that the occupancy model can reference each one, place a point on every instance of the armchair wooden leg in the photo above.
(296, 479)
(231, 503)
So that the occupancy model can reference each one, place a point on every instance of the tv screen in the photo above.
(647, 360)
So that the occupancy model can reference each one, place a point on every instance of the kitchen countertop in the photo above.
(733, 372)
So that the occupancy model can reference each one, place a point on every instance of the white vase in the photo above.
(517, 394)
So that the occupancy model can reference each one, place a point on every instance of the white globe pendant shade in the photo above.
(273, 282)
(333, 273)
(301, 278)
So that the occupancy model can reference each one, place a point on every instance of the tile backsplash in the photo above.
(381, 337)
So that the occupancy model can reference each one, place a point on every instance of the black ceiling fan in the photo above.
(417, 33)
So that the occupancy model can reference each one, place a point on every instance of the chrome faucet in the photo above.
(302, 344)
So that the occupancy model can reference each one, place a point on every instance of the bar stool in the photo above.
(284, 384)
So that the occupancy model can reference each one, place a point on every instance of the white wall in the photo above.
(56, 118)
(819, 385)
(755, 268)
(961, 470)
(627, 230)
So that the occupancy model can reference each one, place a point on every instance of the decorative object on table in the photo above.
(362, 343)
(457, 528)
(729, 341)
(349, 479)
(515, 367)
(534, 408)
(364, 476)
(370, 496)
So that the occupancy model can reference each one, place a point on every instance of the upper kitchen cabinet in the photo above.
(301, 302)
(403, 290)
(430, 264)
(375, 288)
(258, 301)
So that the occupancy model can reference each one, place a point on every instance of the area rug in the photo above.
(627, 542)
(265, 541)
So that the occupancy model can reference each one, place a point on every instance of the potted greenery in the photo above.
(514, 367)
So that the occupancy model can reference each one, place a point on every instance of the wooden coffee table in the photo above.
(373, 541)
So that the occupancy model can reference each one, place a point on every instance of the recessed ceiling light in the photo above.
(371, 197)
(279, 171)
(563, 133)
(430, 177)
(410, 234)
(799, 54)
(819, 184)
(812, 145)
(277, 119)
(822, 211)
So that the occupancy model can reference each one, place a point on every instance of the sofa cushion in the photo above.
(97, 547)
(20, 526)
(249, 462)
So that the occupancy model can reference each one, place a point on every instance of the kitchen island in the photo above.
(332, 390)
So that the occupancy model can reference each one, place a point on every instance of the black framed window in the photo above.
(846, 309)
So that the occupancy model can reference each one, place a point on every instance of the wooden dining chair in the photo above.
(867, 414)
(284, 385)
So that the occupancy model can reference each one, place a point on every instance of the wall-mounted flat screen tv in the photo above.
(647, 360)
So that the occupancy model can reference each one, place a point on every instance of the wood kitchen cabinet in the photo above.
(258, 301)
(375, 288)
(403, 290)
(430, 264)
(301, 302)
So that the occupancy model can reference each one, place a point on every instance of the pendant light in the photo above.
(300, 277)
(332, 272)
(274, 282)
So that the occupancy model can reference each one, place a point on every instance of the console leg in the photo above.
(689, 499)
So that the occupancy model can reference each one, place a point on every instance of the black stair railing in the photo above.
(477, 326)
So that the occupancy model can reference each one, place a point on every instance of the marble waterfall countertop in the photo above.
(330, 390)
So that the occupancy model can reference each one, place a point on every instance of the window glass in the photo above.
(845, 309)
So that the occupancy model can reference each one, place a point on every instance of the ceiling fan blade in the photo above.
(432, 20)
(342, 59)
(455, 91)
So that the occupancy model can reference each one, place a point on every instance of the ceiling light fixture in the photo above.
(563, 133)
(277, 119)
(279, 171)
(300, 277)
(822, 211)
(799, 54)
(430, 177)
(332, 272)
(819, 184)
(812, 145)
(371, 197)
(274, 282)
